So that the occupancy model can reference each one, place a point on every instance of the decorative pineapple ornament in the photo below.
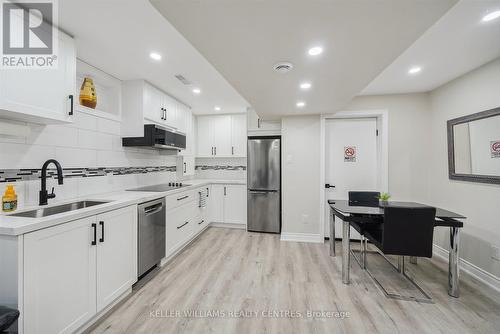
(88, 97)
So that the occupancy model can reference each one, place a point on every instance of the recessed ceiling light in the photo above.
(414, 70)
(155, 56)
(217, 108)
(491, 16)
(317, 50)
(196, 90)
(305, 85)
(301, 104)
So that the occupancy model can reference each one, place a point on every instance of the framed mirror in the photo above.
(474, 147)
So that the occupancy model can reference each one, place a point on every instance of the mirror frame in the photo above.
(451, 148)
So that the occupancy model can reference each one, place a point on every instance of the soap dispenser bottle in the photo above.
(9, 199)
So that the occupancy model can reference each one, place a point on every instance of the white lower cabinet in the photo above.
(117, 245)
(180, 228)
(235, 204)
(227, 203)
(73, 270)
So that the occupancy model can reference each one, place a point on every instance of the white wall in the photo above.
(477, 91)
(409, 140)
(90, 141)
(300, 153)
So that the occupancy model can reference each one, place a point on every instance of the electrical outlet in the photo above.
(305, 219)
(495, 253)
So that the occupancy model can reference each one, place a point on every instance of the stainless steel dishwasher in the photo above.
(151, 235)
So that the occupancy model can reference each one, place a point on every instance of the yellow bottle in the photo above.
(9, 199)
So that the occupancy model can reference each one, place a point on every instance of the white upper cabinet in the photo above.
(221, 136)
(258, 126)
(239, 135)
(43, 96)
(142, 103)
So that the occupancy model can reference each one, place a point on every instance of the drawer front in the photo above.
(180, 226)
(174, 201)
(200, 223)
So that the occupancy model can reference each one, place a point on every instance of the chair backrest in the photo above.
(408, 231)
(364, 197)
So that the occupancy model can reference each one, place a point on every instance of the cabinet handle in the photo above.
(179, 227)
(202, 221)
(212, 150)
(258, 123)
(215, 150)
(71, 104)
(208, 192)
(182, 198)
(184, 168)
(232, 150)
(102, 231)
(165, 113)
(224, 191)
(94, 242)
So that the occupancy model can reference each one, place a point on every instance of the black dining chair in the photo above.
(406, 231)
(362, 198)
(7, 317)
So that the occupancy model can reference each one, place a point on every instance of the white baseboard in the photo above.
(480, 274)
(229, 225)
(302, 237)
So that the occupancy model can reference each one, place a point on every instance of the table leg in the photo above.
(453, 263)
(332, 233)
(346, 229)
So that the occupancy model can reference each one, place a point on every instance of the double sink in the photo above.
(54, 210)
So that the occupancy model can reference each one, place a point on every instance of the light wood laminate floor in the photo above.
(228, 270)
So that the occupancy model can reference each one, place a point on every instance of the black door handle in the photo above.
(185, 168)
(71, 101)
(94, 242)
(102, 231)
(329, 186)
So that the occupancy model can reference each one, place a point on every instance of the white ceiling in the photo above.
(117, 37)
(458, 43)
(243, 39)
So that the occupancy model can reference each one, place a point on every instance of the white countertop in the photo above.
(13, 226)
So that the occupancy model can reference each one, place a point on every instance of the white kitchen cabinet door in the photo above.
(41, 95)
(183, 118)
(239, 135)
(205, 137)
(153, 104)
(215, 204)
(116, 254)
(59, 277)
(170, 106)
(235, 204)
(222, 135)
(190, 133)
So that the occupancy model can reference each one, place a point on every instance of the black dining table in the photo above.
(357, 213)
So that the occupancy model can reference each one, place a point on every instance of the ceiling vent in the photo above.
(283, 67)
(182, 79)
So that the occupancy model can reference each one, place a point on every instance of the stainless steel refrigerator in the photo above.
(264, 184)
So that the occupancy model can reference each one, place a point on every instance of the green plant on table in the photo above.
(384, 197)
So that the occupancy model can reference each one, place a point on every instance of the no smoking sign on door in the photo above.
(350, 154)
(495, 149)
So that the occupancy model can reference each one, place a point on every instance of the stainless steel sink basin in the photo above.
(54, 210)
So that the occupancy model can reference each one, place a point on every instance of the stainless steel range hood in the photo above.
(156, 136)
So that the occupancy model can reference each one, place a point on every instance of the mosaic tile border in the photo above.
(229, 168)
(18, 175)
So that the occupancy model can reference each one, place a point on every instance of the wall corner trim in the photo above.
(302, 237)
(480, 274)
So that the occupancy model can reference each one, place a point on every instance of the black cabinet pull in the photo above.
(94, 242)
(224, 191)
(208, 192)
(182, 198)
(102, 231)
(212, 150)
(232, 150)
(201, 222)
(329, 186)
(179, 227)
(185, 167)
(71, 106)
(215, 150)
(258, 123)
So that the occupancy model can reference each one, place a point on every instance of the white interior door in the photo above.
(351, 160)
